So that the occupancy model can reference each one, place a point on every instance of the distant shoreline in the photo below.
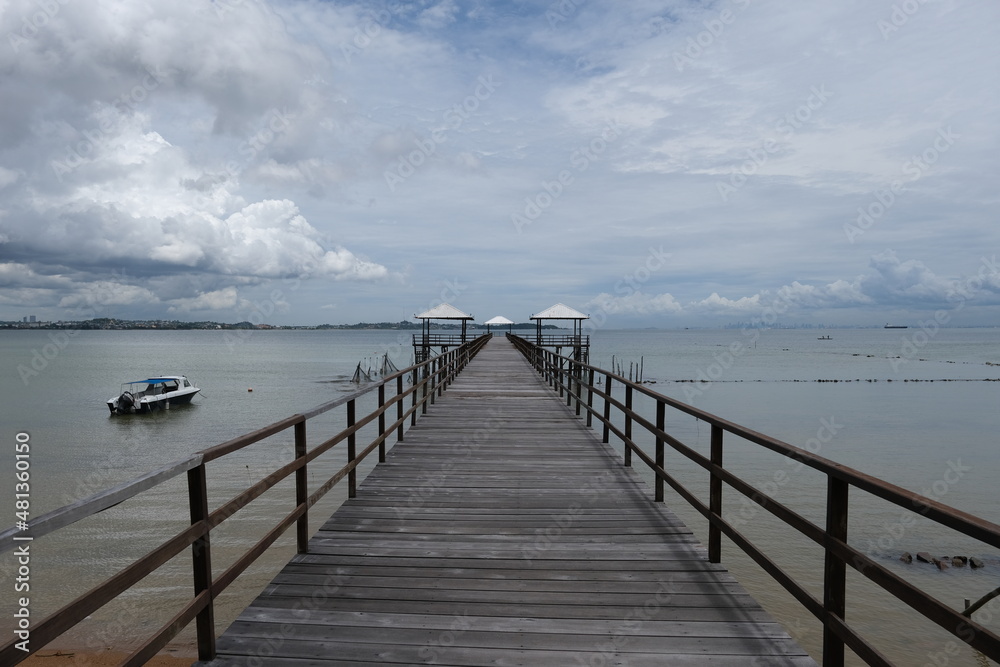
(107, 324)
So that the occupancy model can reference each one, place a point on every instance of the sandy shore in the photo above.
(58, 658)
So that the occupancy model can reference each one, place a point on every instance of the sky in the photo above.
(650, 163)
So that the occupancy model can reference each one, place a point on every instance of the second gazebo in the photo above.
(499, 321)
(579, 342)
(422, 345)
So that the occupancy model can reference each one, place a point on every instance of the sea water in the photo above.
(915, 407)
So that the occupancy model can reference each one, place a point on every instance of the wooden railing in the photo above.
(444, 339)
(560, 340)
(429, 379)
(581, 383)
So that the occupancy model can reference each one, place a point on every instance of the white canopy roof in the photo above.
(445, 311)
(498, 320)
(560, 312)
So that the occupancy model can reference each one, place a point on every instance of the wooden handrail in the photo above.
(431, 377)
(70, 514)
(591, 381)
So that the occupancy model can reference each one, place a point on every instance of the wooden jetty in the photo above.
(499, 530)
(502, 531)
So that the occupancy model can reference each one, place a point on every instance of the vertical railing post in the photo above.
(381, 422)
(399, 407)
(590, 397)
(201, 561)
(433, 380)
(607, 408)
(561, 373)
(715, 498)
(578, 375)
(444, 369)
(301, 489)
(352, 476)
(628, 425)
(567, 373)
(413, 397)
(570, 369)
(835, 570)
(661, 422)
(426, 382)
(444, 373)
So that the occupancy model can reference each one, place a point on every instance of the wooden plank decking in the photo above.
(503, 532)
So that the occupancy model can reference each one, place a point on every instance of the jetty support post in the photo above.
(560, 371)
(835, 570)
(590, 397)
(607, 408)
(578, 376)
(352, 440)
(570, 370)
(201, 562)
(301, 490)
(425, 381)
(661, 423)
(628, 426)
(399, 407)
(715, 498)
(381, 422)
(413, 397)
(444, 372)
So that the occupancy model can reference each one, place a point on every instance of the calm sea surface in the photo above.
(919, 409)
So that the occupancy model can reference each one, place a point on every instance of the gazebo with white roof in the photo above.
(444, 311)
(499, 321)
(579, 342)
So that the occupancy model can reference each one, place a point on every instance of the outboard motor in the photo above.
(125, 403)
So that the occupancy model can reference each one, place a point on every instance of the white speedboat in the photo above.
(157, 393)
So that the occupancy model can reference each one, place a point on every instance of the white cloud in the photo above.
(716, 304)
(7, 177)
(104, 293)
(205, 148)
(219, 300)
(438, 16)
(636, 303)
(890, 280)
(106, 188)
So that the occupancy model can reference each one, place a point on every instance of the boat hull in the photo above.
(147, 404)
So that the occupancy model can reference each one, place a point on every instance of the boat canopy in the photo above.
(154, 381)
